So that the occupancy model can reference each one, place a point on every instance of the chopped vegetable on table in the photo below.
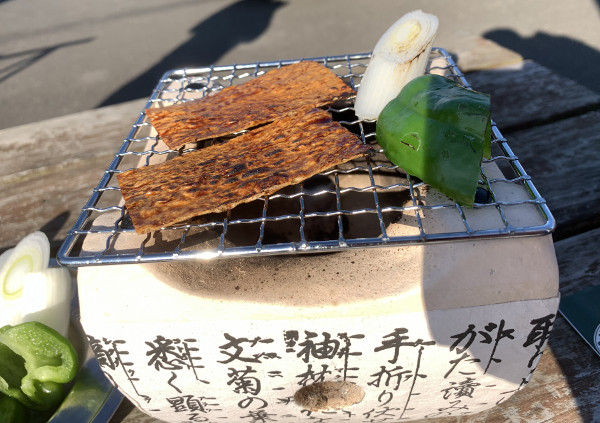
(36, 360)
(32, 291)
(438, 131)
(35, 363)
(30, 255)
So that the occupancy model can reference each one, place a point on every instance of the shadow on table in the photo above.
(240, 22)
(565, 56)
(568, 349)
(53, 228)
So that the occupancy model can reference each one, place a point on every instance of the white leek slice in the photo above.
(400, 55)
(47, 298)
(31, 254)
(30, 290)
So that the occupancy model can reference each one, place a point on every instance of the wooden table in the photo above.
(552, 124)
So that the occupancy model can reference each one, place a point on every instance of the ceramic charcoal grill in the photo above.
(359, 295)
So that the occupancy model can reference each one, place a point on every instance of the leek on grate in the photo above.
(400, 55)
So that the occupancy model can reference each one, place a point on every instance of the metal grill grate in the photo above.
(362, 204)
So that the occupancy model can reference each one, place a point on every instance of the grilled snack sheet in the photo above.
(253, 103)
(257, 163)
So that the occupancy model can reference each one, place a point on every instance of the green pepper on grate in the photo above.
(438, 131)
(35, 363)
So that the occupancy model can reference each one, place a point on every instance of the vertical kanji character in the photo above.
(174, 355)
(237, 345)
(464, 388)
(110, 354)
(398, 374)
(244, 383)
(539, 335)
(397, 339)
(500, 333)
(290, 338)
(313, 376)
(325, 349)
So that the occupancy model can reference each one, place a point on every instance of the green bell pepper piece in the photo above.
(35, 363)
(438, 131)
(12, 411)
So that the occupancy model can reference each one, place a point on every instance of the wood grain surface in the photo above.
(527, 94)
(49, 169)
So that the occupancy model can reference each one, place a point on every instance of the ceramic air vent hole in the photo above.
(329, 395)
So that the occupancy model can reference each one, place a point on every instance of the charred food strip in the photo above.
(256, 102)
(253, 165)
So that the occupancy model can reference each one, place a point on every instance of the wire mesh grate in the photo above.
(361, 204)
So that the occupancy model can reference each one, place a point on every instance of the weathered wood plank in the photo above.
(579, 261)
(579, 267)
(50, 168)
(528, 93)
(562, 159)
(477, 53)
(57, 141)
(49, 200)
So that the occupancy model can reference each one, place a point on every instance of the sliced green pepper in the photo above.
(35, 363)
(438, 131)
(12, 411)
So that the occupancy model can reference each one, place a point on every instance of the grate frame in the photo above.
(143, 147)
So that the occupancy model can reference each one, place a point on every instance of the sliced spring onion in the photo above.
(47, 298)
(400, 55)
(31, 291)
(31, 254)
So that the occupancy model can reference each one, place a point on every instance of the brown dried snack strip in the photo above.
(256, 102)
(253, 165)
